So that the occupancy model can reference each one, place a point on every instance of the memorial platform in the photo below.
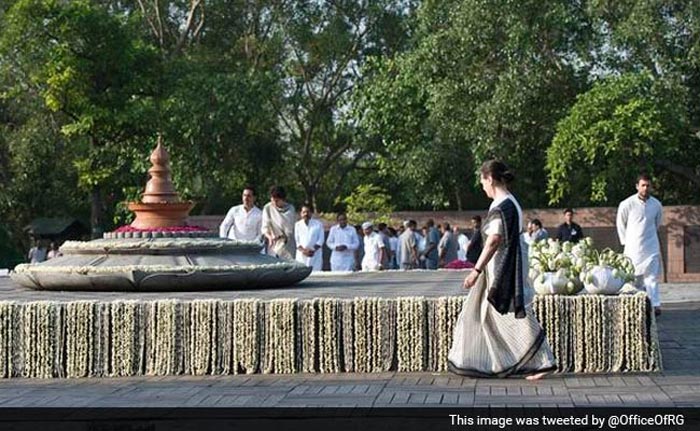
(329, 323)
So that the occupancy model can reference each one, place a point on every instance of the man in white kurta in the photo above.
(342, 241)
(638, 220)
(243, 222)
(308, 235)
(374, 249)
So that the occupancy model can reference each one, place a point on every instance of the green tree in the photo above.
(368, 200)
(484, 79)
(624, 125)
(90, 67)
(325, 45)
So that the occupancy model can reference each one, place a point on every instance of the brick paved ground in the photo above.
(678, 385)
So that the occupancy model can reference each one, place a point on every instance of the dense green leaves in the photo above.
(622, 126)
(344, 102)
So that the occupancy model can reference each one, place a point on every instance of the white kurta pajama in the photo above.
(638, 222)
(372, 258)
(241, 224)
(309, 236)
(347, 236)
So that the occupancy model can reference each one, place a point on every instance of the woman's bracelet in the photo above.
(478, 271)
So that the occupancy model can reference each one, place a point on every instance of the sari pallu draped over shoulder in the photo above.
(506, 292)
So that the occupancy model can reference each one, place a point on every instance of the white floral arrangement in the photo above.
(607, 272)
(555, 267)
(567, 268)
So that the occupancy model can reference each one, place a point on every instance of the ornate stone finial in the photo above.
(159, 187)
(160, 205)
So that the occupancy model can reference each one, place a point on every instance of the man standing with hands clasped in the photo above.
(638, 220)
(308, 235)
(343, 241)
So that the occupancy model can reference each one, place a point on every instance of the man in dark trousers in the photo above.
(475, 242)
(569, 231)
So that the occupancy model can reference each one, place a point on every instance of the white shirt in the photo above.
(347, 236)
(463, 242)
(637, 224)
(309, 236)
(241, 224)
(373, 246)
(420, 242)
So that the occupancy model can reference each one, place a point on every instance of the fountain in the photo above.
(160, 252)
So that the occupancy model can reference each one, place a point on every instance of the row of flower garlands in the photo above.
(588, 333)
(567, 269)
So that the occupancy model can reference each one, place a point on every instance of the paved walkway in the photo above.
(677, 386)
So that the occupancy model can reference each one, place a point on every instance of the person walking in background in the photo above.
(37, 253)
(408, 246)
(278, 218)
(54, 251)
(384, 235)
(497, 334)
(638, 220)
(421, 235)
(432, 238)
(308, 236)
(243, 222)
(360, 252)
(343, 242)
(447, 248)
(462, 243)
(476, 243)
(535, 232)
(569, 231)
(394, 247)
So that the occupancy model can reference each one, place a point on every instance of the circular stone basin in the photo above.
(160, 264)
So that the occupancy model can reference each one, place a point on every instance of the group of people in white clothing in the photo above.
(638, 219)
(372, 248)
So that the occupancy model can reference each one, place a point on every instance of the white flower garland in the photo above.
(6, 338)
(129, 338)
(347, 308)
(39, 347)
(201, 333)
(224, 341)
(280, 352)
(246, 335)
(410, 334)
(328, 335)
(305, 334)
(79, 338)
(162, 351)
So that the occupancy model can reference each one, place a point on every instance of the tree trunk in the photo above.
(309, 196)
(458, 198)
(96, 215)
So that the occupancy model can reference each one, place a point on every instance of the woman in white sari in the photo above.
(497, 334)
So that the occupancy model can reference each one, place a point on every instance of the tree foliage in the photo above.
(334, 99)
(622, 126)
